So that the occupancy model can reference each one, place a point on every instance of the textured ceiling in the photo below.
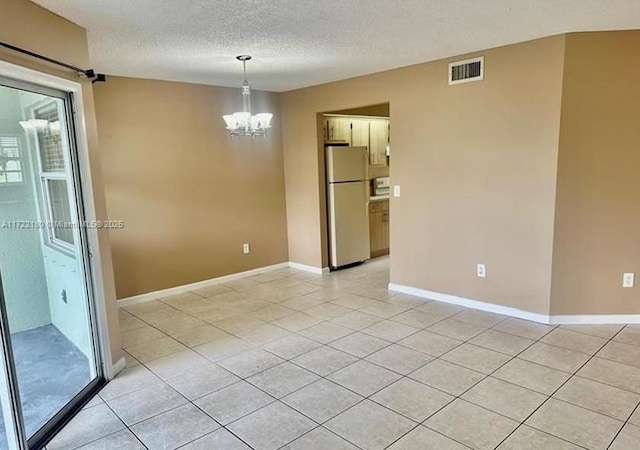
(297, 43)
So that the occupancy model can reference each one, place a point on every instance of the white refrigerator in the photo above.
(348, 205)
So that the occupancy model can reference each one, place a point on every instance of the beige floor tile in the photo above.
(480, 318)
(457, 329)
(390, 331)
(370, 426)
(122, 440)
(263, 334)
(599, 397)
(356, 320)
(146, 307)
(476, 358)
(555, 357)
(139, 336)
(271, 312)
(384, 310)
(575, 424)
(129, 322)
(250, 362)
(399, 359)
(198, 336)
(603, 331)
(325, 332)
(523, 328)
(282, 379)
(195, 306)
(219, 439)
(158, 348)
(364, 378)
(320, 439)
(297, 321)
(635, 418)
(291, 346)
(440, 308)
(532, 376)
(628, 439)
(202, 380)
(502, 342)
(351, 301)
(212, 291)
(238, 323)
(271, 427)
(412, 399)
(578, 342)
(628, 336)
(222, 348)
(471, 425)
(174, 428)
(322, 400)
(527, 438)
(145, 403)
(233, 402)
(171, 320)
(417, 319)
(177, 364)
(324, 360)
(424, 438)
(303, 303)
(622, 353)
(447, 377)
(130, 380)
(430, 343)
(613, 373)
(504, 398)
(359, 344)
(217, 313)
(89, 425)
(328, 311)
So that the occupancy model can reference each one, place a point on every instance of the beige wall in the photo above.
(598, 212)
(189, 194)
(476, 163)
(27, 25)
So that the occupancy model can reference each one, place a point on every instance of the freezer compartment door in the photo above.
(348, 223)
(346, 164)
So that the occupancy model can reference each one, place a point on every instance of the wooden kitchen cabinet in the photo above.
(338, 129)
(378, 141)
(360, 132)
(379, 228)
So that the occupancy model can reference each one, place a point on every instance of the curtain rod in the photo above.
(89, 73)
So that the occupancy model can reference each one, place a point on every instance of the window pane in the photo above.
(60, 209)
(50, 143)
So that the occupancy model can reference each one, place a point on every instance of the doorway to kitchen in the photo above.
(49, 359)
(356, 146)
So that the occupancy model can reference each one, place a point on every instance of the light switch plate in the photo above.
(245, 249)
(396, 190)
(481, 271)
(628, 280)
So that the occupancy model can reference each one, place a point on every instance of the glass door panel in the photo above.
(43, 256)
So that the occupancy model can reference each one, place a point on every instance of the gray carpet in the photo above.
(51, 371)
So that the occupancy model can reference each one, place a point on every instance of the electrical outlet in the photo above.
(396, 190)
(628, 280)
(245, 249)
(481, 271)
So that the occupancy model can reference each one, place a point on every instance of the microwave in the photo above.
(381, 186)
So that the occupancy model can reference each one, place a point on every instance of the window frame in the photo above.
(20, 158)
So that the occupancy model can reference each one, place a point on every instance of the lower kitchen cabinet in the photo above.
(379, 228)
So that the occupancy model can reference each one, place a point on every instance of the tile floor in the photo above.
(292, 360)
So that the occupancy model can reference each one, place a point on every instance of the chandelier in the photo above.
(244, 123)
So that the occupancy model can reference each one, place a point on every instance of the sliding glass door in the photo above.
(50, 357)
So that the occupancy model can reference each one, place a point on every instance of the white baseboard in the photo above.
(307, 268)
(515, 312)
(128, 301)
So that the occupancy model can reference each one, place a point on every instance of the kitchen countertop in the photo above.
(378, 198)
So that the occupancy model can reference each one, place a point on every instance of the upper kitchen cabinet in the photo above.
(360, 132)
(338, 129)
(378, 141)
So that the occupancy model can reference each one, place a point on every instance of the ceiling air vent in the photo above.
(466, 71)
